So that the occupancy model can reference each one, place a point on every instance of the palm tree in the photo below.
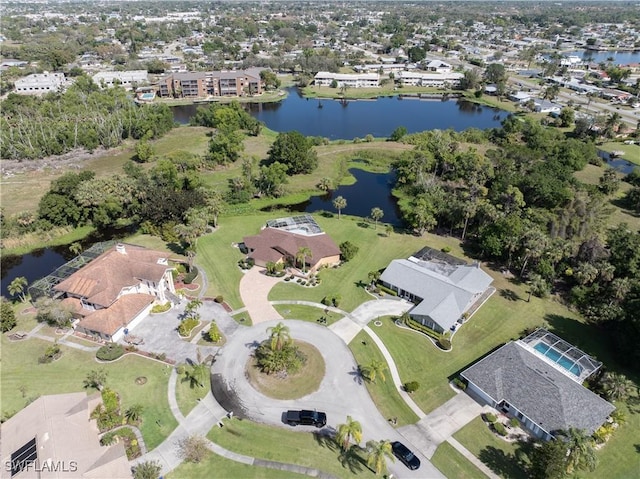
(339, 203)
(374, 369)
(197, 375)
(75, 248)
(580, 452)
(16, 287)
(388, 230)
(301, 256)
(347, 431)
(616, 386)
(279, 336)
(191, 309)
(377, 454)
(376, 215)
(134, 413)
(325, 184)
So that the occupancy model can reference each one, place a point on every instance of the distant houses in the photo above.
(443, 288)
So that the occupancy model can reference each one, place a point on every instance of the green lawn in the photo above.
(187, 396)
(279, 444)
(20, 369)
(453, 464)
(226, 468)
(499, 455)
(306, 313)
(384, 393)
(376, 251)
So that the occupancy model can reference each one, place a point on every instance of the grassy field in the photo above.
(187, 396)
(384, 393)
(20, 369)
(389, 89)
(279, 444)
(453, 464)
(53, 237)
(226, 468)
(499, 455)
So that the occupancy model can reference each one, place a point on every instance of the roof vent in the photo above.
(121, 249)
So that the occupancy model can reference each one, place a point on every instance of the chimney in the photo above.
(121, 249)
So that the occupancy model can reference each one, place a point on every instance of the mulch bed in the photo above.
(188, 287)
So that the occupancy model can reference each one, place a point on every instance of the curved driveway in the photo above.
(254, 291)
(341, 391)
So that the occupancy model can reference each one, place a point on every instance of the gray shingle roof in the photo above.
(538, 390)
(446, 290)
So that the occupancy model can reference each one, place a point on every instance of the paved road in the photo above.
(341, 392)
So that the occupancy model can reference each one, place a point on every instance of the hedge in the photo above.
(490, 418)
(413, 324)
(387, 290)
(499, 428)
(190, 276)
(110, 352)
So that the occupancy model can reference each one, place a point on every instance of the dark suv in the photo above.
(307, 418)
(405, 455)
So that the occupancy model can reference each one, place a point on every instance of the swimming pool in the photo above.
(555, 356)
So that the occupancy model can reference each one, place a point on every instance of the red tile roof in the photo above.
(271, 244)
(118, 315)
(102, 280)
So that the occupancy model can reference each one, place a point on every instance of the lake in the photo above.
(32, 266)
(336, 120)
(619, 58)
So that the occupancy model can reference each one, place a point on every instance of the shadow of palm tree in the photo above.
(509, 294)
(326, 439)
(350, 459)
(356, 372)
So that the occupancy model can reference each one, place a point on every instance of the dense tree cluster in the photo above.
(519, 203)
(82, 117)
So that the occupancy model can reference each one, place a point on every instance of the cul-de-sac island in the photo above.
(327, 239)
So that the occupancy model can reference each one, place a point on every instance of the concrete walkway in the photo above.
(348, 327)
(254, 291)
(473, 459)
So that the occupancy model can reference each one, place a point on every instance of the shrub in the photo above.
(213, 334)
(219, 299)
(411, 386)
(109, 400)
(187, 326)
(413, 324)
(109, 439)
(110, 352)
(51, 353)
(191, 275)
(513, 422)
(348, 250)
(446, 249)
(499, 428)
(161, 308)
(444, 343)
(7, 316)
(490, 418)
(459, 383)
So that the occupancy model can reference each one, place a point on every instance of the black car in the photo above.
(307, 418)
(406, 456)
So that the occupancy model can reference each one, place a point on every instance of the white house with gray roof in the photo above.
(538, 380)
(443, 287)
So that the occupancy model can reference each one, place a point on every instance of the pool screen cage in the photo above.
(576, 358)
(44, 286)
(301, 224)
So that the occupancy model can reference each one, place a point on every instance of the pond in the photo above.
(617, 163)
(371, 190)
(336, 120)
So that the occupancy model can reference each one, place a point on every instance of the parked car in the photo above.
(406, 456)
(306, 418)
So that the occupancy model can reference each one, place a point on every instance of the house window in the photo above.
(23, 457)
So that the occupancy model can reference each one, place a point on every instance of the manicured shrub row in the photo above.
(110, 352)
(490, 418)
(444, 343)
(499, 428)
(413, 324)
(387, 290)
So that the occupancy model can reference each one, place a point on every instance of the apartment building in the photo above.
(40, 83)
(215, 83)
(437, 80)
(351, 80)
(127, 79)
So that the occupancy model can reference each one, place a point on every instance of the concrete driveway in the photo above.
(341, 392)
(160, 335)
(254, 291)
(349, 326)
